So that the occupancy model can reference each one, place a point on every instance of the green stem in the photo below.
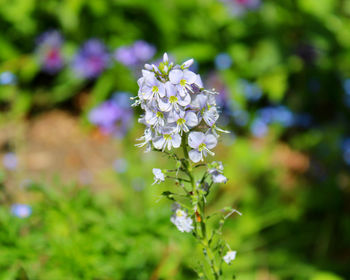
(199, 204)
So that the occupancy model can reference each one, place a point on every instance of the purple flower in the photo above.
(240, 7)
(136, 54)
(126, 56)
(49, 51)
(21, 210)
(143, 51)
(112, 117)
(259, 128)
(251, 91)
(10, 161)
(91, 59)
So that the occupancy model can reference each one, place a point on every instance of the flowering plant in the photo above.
(179, 112)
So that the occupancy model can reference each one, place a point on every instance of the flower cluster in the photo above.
(182, 221)
(175, 103)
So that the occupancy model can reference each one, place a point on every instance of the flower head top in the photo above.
(49, 51)
(177, 108)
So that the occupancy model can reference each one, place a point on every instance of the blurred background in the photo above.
(76, 200)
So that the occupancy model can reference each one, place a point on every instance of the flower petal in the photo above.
(191, 119)
(175, 76)
(195, 155)
(195, 138)
(210, 141)
(176, 140)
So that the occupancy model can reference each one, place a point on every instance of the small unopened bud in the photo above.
(187, 63)
(148, 67)
(165, 58)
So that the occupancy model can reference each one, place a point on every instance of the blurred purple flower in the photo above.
(7, 78)
(49, 51)
(91, 59)
(120, 165)
(113, 116)
(223, 61)
(10, 161)
(136, 54)
(143, 50)
(346, 86)
(251, 91)
(346, 150)
(21, 210)
(240, 7)
(279, 114)
(259, 128)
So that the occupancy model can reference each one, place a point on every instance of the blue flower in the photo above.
(250, 90)
(91, 59)
(21, 210)
(7, 78)
(49, 51)
(223, 61)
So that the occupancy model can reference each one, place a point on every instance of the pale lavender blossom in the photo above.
(216, 170)
(10, 161)
(167, 139)
(21, 210)
(49, 51)
(201, 145)
(91, 59)
(182, 221)
(230, 256)
(158, 175)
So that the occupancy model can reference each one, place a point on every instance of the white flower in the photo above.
(182, 80)
(182, 221)
(230, 256)
(201, 143)
(158, 176)
(174, 101)
(184, 120)
(167, 140)
(210, 116)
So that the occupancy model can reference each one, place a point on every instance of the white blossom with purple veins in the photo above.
(158, 175)
(201, 145)
(176, 106)
(182, 221)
